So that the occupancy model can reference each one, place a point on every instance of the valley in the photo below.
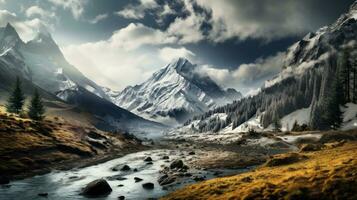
(147, 106)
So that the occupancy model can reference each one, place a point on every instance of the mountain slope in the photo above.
(311, 79)
(41, 64)
(176, 91)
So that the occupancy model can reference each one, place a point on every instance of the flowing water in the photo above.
(62, 185)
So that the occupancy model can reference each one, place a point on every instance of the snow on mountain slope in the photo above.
(41, 63)
(40, 60)
(174, 94)
(317, 47)
(300, 92)
(349, 116)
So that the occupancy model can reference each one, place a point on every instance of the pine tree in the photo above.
(331, 117)
(36, 109)
(276, 123)
(16, 100)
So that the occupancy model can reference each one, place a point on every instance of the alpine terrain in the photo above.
(41, 64)
(78, 120)
(316, 88)
(174, 94)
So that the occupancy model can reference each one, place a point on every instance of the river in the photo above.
(62, 185)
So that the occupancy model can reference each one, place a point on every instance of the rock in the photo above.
(177, 164)
(125, 168)
(148, 159)
(149, 163)
(121, 178)
(137, 179)
(310, 147)
(191, 153)
(42, 194)
(284, 159)
(148, 186)
(165, 180)
(199, 178)
(96, 188)
(4, 180)
(135, 170)
(120, 185)
(247, 179)
(216, 173)
(165, 157)
(188, 174)
(121, 197)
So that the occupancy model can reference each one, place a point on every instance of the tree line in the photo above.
(16, 101)
(325, 88)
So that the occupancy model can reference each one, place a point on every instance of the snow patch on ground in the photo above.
(253, 123)
(294, 138)
(302, 116)
(349, 116)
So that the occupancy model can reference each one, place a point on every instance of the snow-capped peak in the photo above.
(175, 92)
(9, 38)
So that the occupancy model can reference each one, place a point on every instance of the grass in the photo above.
(27, 145)
(330, 173)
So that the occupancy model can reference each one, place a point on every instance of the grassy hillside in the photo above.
(29, 147)
(319, 171)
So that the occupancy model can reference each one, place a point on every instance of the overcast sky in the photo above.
(122, 42)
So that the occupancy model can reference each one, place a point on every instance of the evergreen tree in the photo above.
(17, 98)
(36, 109)
(331, 117)
(276, 123)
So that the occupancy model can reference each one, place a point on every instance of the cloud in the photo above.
(247, 77)
(26, 28)
(117, 62)
(34, 11)
(136, 35)
(137, 11)
(98, 18)
(75, 6)
(218, 21)
(167, 54)
(188, 29)
(269, 19)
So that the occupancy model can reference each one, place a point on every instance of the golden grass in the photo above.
(27, 145)
(327, 174)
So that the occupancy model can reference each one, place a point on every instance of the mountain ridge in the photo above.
(175, 93)
(307, 85)
(39, 63)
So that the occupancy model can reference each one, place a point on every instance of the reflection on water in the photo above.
(68, 184)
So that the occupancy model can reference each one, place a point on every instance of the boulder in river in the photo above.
(176, 164)
(191, 153)
(125, 168)
(121, 197)
(199, 178)
(45, 194)
(148, 186)
(165, 157)
(137, 179)
(166, 179)
(97, 188)
(4, 180)
(148, 159)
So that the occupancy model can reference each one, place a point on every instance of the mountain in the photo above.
(40, 64)
(173, 94)
(316, 87)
